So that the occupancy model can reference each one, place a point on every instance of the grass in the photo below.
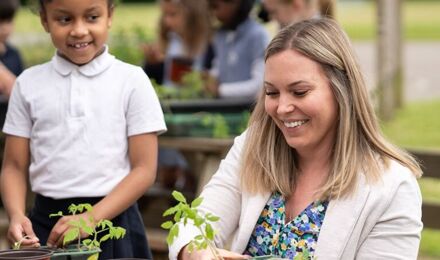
(411, 121)
(429, 245)
(405, 130)
(420, 19)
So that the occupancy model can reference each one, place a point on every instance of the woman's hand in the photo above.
(206, 254)
(20, 232)
(63, 225)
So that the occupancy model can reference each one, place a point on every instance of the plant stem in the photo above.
(213, 249)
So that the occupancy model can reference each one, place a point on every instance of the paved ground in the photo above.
(421, 68)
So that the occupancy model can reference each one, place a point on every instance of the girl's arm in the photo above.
(13, 189)
(7, 79)
(142, 151)
(246, 88)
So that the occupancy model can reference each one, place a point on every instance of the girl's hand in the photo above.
(63, 225)
(206, 254)
(20, 232)
(211, 84)
(152, 53)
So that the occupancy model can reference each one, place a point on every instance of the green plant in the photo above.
(17, 245)
(219, 124)
(191, 88)
(182, 214)
(98, 233)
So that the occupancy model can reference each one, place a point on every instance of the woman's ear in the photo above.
(43, 20)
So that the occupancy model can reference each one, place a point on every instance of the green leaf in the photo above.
(104, 238)
(190, 247)
(204, 244)
(87, 241)
(191, 213)
(120, 232)
(177, 216)
(167, 225)
(88, 207)
(198, 221)
(198, 237)
(178, 196)
(72, 209)
(213, 218)
(88, 230)
(195, 203)
(58, 214)
(170, 211)
(170, 238)
(175, 230)
(71, 235)
(209, 232)
(93, 257)
(105, 223)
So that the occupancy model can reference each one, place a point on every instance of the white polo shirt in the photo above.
(78, 120)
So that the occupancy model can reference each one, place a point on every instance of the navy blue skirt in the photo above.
(134, 243)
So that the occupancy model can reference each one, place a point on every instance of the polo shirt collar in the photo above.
(93, 68)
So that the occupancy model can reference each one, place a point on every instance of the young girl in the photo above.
(84, 127)
(184, 31)
(238, 46)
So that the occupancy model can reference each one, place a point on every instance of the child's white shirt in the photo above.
(78, 120)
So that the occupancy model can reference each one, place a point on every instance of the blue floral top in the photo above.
(298, 238)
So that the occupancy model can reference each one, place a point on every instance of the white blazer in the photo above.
(380, 221)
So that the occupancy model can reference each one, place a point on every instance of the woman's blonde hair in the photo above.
(269, 163)
(196, 28)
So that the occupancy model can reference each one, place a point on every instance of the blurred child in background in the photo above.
(238, 48)
(10, 61)
(184, 31)
(286, 12)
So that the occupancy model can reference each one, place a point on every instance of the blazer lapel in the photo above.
(253, 206)
(339, 223)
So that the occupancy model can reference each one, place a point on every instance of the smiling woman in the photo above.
(301, 102)
(313, 163)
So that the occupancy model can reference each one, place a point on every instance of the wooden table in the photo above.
(207, 154)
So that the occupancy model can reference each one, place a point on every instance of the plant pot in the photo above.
(27, 254)
(73, 253)
(268, 257)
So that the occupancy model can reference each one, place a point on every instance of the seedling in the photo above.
(184, 213)
(98, 233)
(17, 245)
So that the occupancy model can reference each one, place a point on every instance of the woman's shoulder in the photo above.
(395, 173)
(396, 179)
